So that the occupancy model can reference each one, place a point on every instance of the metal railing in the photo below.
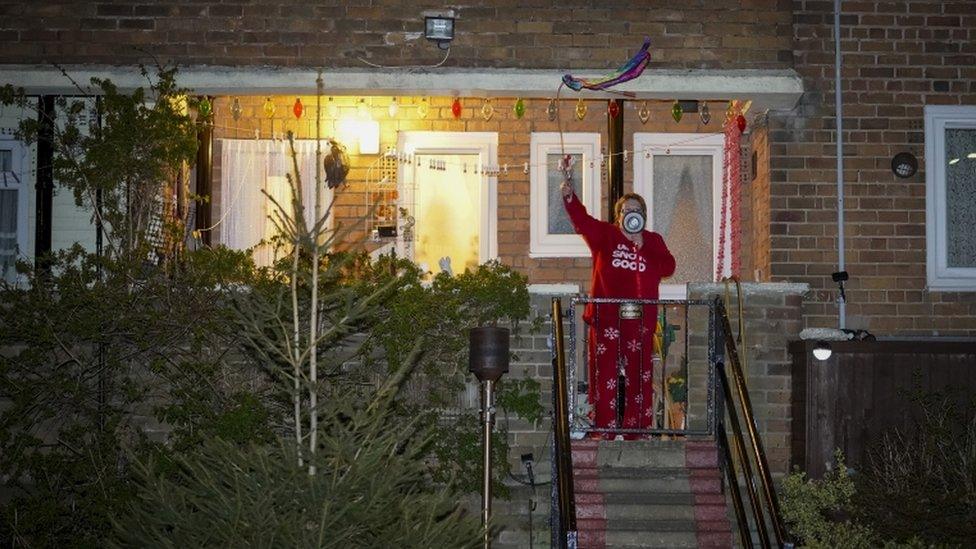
(753, 455)
(720, 397)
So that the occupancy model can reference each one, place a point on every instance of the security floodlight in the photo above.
(440, 30)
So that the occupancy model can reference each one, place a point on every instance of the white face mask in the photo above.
(633, 222)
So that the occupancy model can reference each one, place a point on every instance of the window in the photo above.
(13, 206)
(551, 234)
(449, 195)
(248, 166)
(680, 177)
(950, 159)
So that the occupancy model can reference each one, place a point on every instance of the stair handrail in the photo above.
(745, 403)
(562, 449)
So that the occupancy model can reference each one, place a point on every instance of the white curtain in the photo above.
(248, 166)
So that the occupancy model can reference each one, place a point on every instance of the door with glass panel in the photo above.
(680, 176)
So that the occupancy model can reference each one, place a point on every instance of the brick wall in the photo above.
(513, 149)
(898, 57)
(504, 33)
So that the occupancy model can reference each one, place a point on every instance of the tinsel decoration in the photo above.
(731, 195)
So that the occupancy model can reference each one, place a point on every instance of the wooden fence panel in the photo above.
(863, 390)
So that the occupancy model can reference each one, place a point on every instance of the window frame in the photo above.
(542, 244)
(684, 144)
(939, 276)
(18, 153)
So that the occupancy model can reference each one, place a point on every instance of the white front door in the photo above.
(680, 177)
(449, 204)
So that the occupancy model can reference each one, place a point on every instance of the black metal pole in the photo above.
(204, 183)
(563, 449)
(615, 151)
(44, 186)
(740, 513)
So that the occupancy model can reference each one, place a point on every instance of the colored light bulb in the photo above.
(204, 108)
(613, 108)
(361, 109)
(298, 109)
(580, 109)
(236, 110)
(456, 107)
(423, 109)
(740, 121)
(676, 111)
(703, 113)
(552, 110)
(269, 108)
(487, 109)
(644, 114)
(332, 108)
(394, 108)
(519, 108)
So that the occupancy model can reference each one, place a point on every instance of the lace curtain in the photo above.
(248, 166)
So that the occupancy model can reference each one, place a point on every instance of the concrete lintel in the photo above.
(767, 89)
(753, 288)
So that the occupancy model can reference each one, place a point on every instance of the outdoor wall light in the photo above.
(904, 164)
(364, 133)
(440, 30)
(822, 351)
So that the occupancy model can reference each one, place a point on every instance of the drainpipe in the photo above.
(44, 185)
(841, 300)
(615, 151)
(204, 183)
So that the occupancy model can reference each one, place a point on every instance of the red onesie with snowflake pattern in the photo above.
(621, 269)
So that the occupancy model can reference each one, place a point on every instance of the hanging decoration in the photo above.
(456, 107)
(703, 113)
(394, 108)
(362, 110)
(613, 109)
(731, 196)
(298, 109)
(204, 109)
(519, 108)
(628, 71)
(552, 111)
(332, 108)
(487, 109)
(740, 122)
(580, 109)
(644, 114)
(423, 109)
(676, 111)
(269, 108)
(236, 111)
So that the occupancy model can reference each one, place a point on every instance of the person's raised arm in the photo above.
(588, 227)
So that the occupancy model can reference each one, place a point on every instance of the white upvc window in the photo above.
(680, 177)
(551, 233)
(950, 197)
(13, 206)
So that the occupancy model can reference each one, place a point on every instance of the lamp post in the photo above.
(488, 360)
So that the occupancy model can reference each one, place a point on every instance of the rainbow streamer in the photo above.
(628, 71)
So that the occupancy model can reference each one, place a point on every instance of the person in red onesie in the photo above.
(628, 263)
